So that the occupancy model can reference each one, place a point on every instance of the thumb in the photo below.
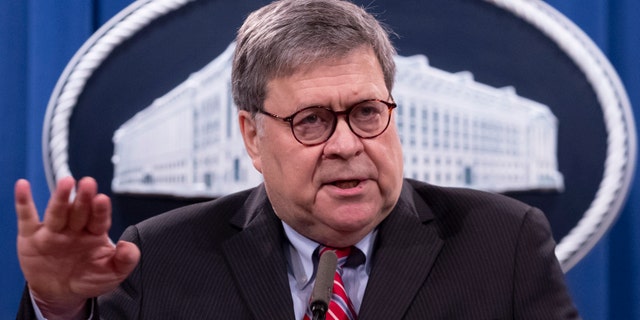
(126, 258)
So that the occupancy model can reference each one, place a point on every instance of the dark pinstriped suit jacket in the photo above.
(441, 254)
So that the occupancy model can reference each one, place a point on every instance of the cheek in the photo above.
(388, 151)
(391, 177)
(271, 152)
(394, 152)
(286, 165)
(390, 166)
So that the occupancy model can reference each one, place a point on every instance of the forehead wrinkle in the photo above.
(350, 79)
(334, 96)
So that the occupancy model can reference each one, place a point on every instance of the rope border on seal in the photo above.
(621, 139)
(96, 49)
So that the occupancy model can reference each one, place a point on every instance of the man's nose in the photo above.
(343, 143)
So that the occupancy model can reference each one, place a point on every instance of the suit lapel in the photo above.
(406, 248)
(257, 261)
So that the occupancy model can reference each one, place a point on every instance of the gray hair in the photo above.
(284, 36)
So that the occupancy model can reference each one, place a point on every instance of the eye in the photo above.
(313, 116)
(366, 112)
(307, 119)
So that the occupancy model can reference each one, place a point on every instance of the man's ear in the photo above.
(249, 130)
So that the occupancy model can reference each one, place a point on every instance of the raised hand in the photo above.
(68, 257)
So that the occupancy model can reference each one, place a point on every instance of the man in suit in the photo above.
(313, 82)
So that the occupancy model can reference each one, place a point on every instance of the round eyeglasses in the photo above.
(314, 125)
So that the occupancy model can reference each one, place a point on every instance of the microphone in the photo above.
(323, 287)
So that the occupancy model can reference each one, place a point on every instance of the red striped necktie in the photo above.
(340, 306)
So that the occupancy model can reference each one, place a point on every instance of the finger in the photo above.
(26, 212)
(100, 218)
(82, 204)
(56, 214)
(126, 258)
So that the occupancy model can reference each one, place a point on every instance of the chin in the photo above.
(354, 224)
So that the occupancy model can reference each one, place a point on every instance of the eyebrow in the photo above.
(330, 106)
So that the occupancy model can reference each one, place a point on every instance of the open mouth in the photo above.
(346, 184)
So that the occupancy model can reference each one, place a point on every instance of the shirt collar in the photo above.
(300, 257)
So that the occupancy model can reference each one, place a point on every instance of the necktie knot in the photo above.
(341, 253)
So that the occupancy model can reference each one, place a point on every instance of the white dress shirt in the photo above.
(302, 268)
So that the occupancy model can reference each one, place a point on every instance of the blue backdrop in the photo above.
(38, 38)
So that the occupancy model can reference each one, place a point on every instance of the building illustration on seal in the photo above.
(454, 132)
